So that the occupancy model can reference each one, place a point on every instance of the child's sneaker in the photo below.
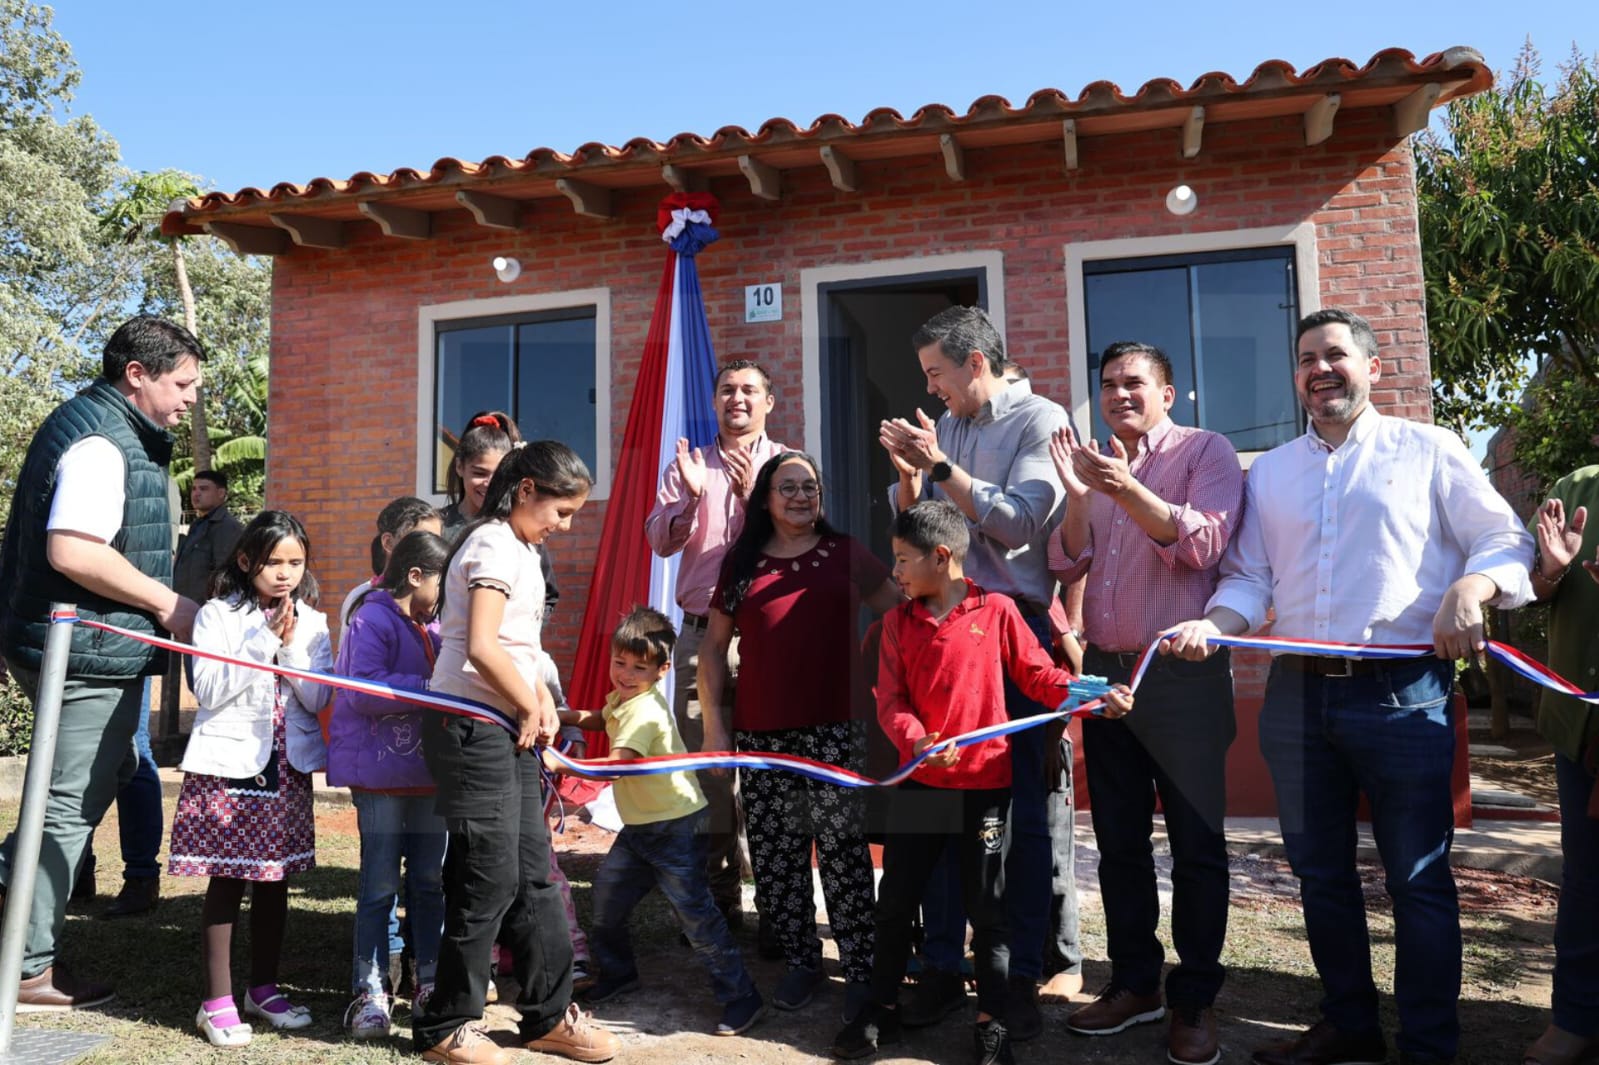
(582, 975)
(419, 1001)
(993, 1044)
(798, 986)
(740, 1015)
(608, 987)
(872, 1027)
(368, 1016)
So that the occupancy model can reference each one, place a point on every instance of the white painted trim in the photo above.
(811, 280)
(1302, 237)
(429, 315)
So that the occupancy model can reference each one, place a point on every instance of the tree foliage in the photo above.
(1509, 213)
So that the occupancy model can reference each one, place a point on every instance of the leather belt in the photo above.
(697, 622)
(1124, 659)
(1328, 666)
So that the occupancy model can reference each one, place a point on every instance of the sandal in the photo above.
(234, 1035)
(287, 1018)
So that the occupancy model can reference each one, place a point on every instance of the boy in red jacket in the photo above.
(941, 672)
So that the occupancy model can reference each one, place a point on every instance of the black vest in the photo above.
(28, 583)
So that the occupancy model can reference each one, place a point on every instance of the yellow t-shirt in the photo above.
(644, 724)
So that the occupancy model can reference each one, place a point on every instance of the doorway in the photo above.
(869, 373)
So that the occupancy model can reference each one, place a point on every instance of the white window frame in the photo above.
(429, 316)
(1307, 276)
(813, 278)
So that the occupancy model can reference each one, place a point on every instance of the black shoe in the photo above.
(936, 995)
(608, 987)
(1325, 1045)
(993, 1043)
(740, 1015)
(1023, 1021)
(873, 1027)
(767, 946)
(83, 887)
(136, 897)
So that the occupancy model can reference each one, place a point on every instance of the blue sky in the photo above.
(254, 94)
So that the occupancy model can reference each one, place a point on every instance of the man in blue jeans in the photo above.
(989, 455)
(1367, 529)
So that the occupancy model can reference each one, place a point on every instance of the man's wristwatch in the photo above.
(940, 472)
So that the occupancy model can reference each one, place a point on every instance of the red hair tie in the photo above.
(485, 419)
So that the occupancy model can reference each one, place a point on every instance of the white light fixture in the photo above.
(508, 269)
(1181, 200)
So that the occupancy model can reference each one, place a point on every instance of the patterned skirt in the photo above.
(244, 829)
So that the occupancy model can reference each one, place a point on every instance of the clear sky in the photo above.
(256, 93)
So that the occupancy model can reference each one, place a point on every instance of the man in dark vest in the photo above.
(91, 524)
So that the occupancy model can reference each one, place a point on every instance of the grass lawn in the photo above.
(154, 963)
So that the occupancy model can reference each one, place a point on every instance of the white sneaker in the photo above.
(368, 1016)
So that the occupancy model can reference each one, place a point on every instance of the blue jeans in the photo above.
(392, 827)
(1386, 732)
(139, 817)
(1576, 996)
(1040, 856)
(669, 855)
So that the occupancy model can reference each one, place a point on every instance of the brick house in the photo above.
(389, 324)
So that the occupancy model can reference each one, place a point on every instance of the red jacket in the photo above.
(949, 677)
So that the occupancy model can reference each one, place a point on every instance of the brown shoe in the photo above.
(1556, 1046)
(1191, 1040)
(469, 1045)
(136, 897)
(1116, 1009)
(1062, 987)
(577, 1037)
(56, 991)
(1325, 1045)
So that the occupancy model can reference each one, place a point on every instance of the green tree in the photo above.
(59, 277)
(1509, 215)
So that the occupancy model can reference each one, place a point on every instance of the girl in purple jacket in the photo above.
(375, 749)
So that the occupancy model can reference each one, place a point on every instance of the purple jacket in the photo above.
(375, 744)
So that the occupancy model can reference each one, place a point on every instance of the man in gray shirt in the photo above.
(989, 455)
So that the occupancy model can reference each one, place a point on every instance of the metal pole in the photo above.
(30, 818)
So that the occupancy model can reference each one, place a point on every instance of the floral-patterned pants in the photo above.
(786, 813)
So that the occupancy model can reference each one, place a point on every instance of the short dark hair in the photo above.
(735, 365)
(646, 633)
(154, 343)
(1123, 348)
(959, 331)
(216, 477)
(399, 516)
(1016, 369)
(1359, 328)
(933, 523)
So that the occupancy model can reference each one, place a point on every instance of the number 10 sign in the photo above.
(763, 303)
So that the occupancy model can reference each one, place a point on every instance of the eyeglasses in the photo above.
(795, 489)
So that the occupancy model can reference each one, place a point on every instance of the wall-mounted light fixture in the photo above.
(1181, 200)
(508, 269)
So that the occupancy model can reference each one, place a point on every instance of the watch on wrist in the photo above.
(940, 472)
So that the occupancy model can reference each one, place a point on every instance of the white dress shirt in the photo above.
(1358, 543)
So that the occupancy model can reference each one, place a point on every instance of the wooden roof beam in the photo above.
(309, 231)
(1411, 113)
(683, 180)
(493, 212)
(590, 200)
(249, 240)
(766, 181)
(954, 158)
(407, 223)
(1193, 131)
(1068, 130)
(841, 168)
(1319, 119)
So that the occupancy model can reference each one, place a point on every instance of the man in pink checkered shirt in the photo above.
(1147, 519)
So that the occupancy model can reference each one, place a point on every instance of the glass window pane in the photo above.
(1149, 306)
(555, 391)
(1245, 319)
(474, 373)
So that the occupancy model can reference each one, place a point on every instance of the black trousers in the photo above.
(496, 881)
(922, 823)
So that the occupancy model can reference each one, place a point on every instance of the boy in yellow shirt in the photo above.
(662, 842)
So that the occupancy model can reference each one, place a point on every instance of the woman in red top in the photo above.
(792, 586)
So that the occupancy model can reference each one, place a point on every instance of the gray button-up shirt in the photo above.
(1004, 448)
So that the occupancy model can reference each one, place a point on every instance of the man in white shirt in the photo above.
(91, 525)
(1366, 530)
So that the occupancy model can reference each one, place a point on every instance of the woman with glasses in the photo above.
(792, 586)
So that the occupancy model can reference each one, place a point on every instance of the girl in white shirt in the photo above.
(244, 815)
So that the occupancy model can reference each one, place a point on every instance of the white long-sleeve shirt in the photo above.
(1359, 543)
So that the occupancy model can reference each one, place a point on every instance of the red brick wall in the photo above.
(344, 322)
